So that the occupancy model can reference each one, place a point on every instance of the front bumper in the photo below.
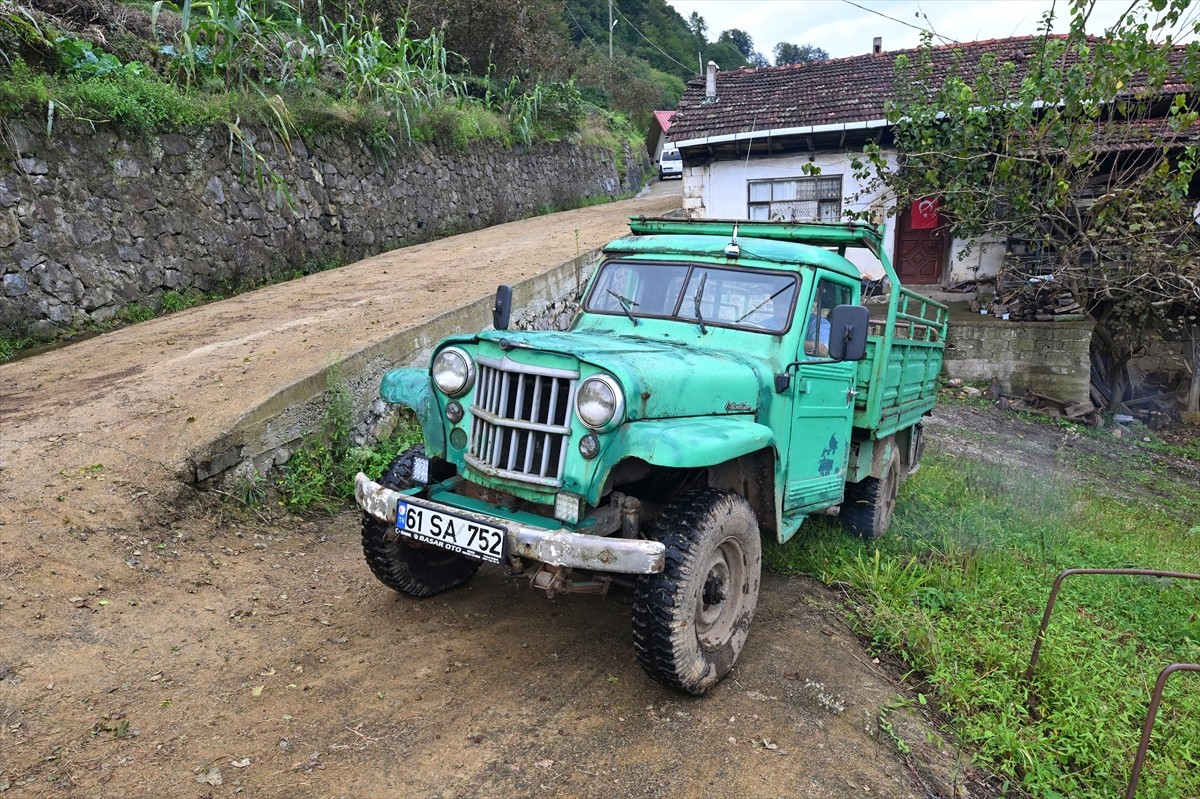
(557, 547)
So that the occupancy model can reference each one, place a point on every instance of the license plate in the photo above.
(460, 534)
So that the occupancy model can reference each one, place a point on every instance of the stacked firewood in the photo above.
(1034, 299)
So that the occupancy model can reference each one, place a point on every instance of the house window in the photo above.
(807, 199)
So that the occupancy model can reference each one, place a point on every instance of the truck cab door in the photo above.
(822, 396)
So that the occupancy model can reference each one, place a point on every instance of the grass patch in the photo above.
(958, 586)
(174, 301)
(135, 312)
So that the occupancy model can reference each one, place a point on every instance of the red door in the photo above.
(920, 254)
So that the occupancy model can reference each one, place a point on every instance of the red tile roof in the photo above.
(840, 90)
(663, 118)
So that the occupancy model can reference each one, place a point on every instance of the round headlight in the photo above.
(453, 372)
(599, 402)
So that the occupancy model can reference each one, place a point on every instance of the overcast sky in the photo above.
(846, 27)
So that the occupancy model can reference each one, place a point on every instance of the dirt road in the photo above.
(157, 642)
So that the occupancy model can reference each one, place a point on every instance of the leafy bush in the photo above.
(80, 60)
(560, 109)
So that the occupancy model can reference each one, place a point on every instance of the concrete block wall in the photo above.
(1050, 358)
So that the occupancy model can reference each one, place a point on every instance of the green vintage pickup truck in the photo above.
(720, 382)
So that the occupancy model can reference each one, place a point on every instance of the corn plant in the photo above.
(233, 40)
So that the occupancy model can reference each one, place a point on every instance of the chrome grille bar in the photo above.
(521, 420)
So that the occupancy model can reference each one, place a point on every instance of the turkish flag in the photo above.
(925, 214)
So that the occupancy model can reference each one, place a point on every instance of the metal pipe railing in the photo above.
(1155, 697)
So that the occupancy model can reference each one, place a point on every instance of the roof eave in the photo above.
(776, 133)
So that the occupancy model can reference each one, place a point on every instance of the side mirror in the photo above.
(848, 332)
(502, 310)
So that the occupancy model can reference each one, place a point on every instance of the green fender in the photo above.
(689, 442)
(412, 389)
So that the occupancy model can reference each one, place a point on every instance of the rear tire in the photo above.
(413, 570)
(690, 622)
(868, 505)
(916, 450)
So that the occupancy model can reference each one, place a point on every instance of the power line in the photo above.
(622, 70)
(652, 44)
(901, 21)
(583, 32)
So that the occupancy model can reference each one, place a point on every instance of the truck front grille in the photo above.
(521, 420)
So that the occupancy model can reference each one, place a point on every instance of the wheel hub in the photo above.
(718, 603)
(714, 589)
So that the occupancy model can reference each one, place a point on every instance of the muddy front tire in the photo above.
(690, 622)
(416, 571)
(868, 505)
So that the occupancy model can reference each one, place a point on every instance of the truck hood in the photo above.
(661, 379)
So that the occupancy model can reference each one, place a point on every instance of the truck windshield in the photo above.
(738, 298)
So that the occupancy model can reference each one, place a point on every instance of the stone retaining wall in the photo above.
(91, 222)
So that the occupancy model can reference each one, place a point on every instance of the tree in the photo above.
(1082, 151)
(724, 54)
(741, 40)
(508, 36)
(786, 53)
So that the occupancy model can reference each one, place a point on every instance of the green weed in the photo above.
(174, 301)
(135, 312)
(888, 729)
(250, 488)
(320, 473)
(10, 347)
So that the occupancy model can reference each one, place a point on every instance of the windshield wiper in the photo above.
(626, 305)
(759, 307)
(697, 300)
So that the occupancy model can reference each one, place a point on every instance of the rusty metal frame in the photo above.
(1058, 581)
(1151, 717)
(1155, 697)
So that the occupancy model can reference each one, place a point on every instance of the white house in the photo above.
(777, 142)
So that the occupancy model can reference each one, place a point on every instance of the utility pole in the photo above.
(610, 27)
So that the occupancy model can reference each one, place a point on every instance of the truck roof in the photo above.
(839, 235)
(683, 245)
